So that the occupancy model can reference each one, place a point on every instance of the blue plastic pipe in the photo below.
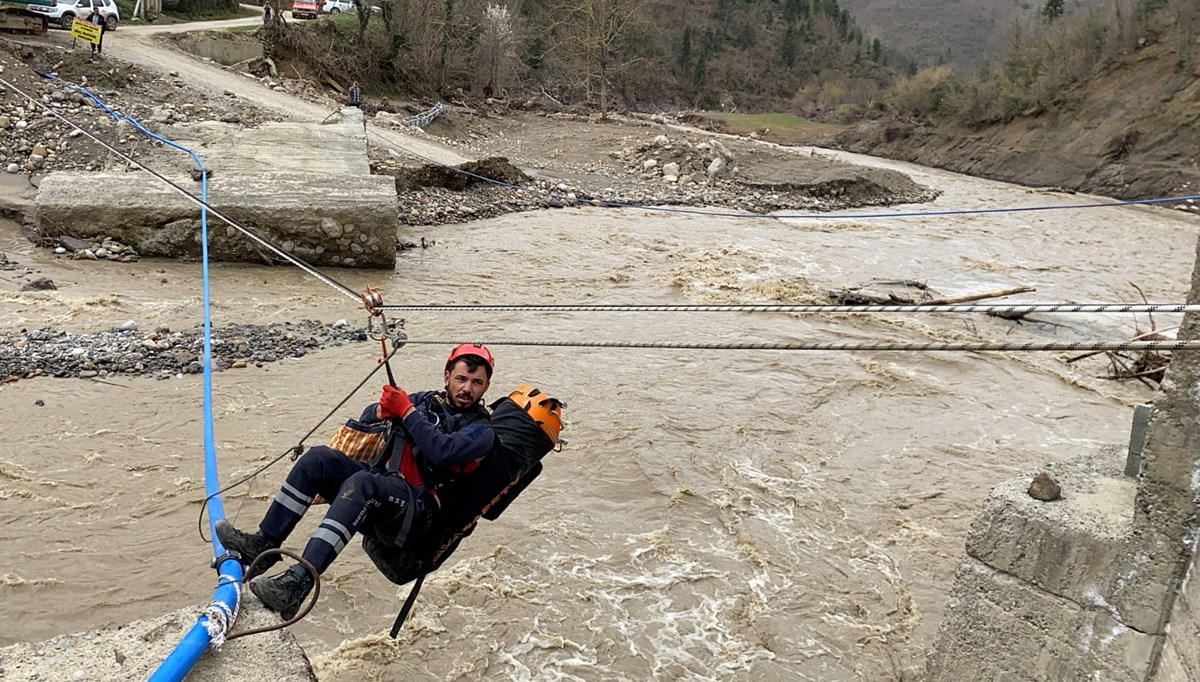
(189, 650)
(193, 645)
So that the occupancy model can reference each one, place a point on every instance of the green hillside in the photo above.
(807, 56)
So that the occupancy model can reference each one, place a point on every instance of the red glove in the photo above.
(393, 403)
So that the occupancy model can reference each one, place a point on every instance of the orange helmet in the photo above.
(544, 410)
(478, 350)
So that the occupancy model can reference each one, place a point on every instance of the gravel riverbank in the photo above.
(162, 353)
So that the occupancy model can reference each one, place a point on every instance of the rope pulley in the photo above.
(372, 301)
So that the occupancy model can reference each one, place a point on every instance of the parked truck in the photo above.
(16, 17)
(305, 9)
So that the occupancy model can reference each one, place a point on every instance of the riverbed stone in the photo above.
(331, 228)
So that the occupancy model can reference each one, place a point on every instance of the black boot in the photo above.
(285, 592)
(249, 545)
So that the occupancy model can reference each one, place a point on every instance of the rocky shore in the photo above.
(680, 170)
(623, 162)
(162, 353)
(33, 141)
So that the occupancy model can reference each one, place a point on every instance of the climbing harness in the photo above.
(526, 425)
(296, 450)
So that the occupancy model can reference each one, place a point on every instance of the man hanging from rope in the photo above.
(392, 498)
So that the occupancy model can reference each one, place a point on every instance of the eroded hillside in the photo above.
(1131, 131)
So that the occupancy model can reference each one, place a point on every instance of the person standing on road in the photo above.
(97, 19)
(266, 14)
(355, 97)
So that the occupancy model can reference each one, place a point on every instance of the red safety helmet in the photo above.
(478, 350)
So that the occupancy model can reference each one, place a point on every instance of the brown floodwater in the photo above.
(728, 515)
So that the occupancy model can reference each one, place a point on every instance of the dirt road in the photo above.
(137, 45)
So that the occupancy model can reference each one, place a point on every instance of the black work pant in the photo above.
(385, 506)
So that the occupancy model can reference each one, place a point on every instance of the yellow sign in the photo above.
(86, 30)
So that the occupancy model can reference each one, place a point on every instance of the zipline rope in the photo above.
(202, 202)
(1005, 308)
(839, 345)
(796, 216)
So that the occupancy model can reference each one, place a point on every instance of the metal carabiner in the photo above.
(382, 333)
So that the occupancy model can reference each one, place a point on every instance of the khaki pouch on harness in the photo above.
(360, 442)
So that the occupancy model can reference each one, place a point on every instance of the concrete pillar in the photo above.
(1094, 585)
(1169, 481)
(1168, 505)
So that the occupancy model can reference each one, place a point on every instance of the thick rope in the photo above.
(1006, 308)
(842, 346)
(220, 618)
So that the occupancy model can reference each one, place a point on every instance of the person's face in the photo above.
(463, 387)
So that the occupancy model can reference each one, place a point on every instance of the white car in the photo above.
(66, 11)
(339, 6)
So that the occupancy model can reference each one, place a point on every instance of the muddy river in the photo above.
(724, 515)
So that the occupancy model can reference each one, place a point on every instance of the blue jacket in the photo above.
(427, 425)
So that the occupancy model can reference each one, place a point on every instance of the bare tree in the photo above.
(447, 27)
(415, 29)
(590, 34)
(363, 9)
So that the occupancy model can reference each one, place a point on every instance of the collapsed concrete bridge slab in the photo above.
(306, 187)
